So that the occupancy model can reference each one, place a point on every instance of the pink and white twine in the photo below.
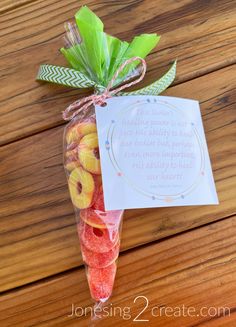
(100, 99)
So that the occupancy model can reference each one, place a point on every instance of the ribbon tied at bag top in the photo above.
(73, 78)
(100, 99)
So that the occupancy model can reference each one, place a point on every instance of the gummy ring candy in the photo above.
(100, 260)
(81, 186)
(88, 153)
(101, 282)
(101, 219)
(96, 239)
(78, 130)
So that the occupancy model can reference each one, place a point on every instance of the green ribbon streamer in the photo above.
(73, 78)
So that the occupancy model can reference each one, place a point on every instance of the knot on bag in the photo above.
(100, 99)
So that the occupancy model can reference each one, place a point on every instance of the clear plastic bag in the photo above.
(98, 230)
(97, 55)
(105, 63)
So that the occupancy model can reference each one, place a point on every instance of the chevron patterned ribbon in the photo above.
(73, 78)
(83, 104)
(64, 76)
(158, 86)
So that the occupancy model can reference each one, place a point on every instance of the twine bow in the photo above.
(99, 99)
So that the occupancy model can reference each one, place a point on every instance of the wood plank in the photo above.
(38, 233)
(201, 37)
(196, 269)
(7, 5)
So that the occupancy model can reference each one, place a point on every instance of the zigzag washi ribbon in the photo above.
(64, 76)
(74, 78)
(158, 86)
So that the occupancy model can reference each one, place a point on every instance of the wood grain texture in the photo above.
(7, 5)
(40, 262)
(200, 34)
(38, 233)
(196, 269)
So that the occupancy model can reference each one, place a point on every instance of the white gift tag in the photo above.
(153, 153)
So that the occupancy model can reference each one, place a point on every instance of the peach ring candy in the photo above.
(71, 164)
(71, 159)
(101, 219)
(101, 282)
(99, 200)
(81, 186)
(71, 147)
(100, 260)
(89, 154)
(73, 153)
(98, 180)
(78, 130)
(96, 239)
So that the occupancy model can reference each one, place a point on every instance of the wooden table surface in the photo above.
(183, 256)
